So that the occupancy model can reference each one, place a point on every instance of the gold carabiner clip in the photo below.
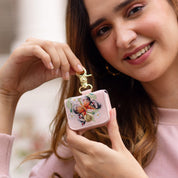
(83, 80)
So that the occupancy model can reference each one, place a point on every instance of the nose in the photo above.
(124, 36)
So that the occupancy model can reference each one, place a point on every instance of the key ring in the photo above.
(83, 80)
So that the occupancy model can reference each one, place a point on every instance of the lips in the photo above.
(138, 52)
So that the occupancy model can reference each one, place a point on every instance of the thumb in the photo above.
(113, 131)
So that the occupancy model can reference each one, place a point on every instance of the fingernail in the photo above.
(80, 68)
(57, 71)
(67, 75)
(114, 111)
(51, 65)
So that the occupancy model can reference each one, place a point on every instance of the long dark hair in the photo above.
(136, 112)
(135, 109)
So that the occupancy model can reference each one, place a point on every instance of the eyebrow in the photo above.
(116, 9)
(122, 5)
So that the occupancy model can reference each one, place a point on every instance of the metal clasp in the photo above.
(84, 81)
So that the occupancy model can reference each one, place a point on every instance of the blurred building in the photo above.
(8, 14)
(19, 20)
(42, 19)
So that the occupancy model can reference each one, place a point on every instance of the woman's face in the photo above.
(137, 37)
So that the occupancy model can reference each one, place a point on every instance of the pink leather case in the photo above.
(88, 111)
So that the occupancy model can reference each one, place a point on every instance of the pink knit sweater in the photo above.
(164, 164)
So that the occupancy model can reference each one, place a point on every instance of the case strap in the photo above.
(84, 81)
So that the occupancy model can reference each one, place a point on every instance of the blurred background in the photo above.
(19, 20)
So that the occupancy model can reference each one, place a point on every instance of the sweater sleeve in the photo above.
(45, 168)
(6, 142)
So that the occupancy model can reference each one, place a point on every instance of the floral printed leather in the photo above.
(88, 110)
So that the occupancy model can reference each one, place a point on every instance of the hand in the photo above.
(94, 159)
(35, 62)
(30, 65)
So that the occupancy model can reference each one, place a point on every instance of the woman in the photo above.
(131, 48)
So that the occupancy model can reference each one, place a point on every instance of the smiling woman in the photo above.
(138, 39)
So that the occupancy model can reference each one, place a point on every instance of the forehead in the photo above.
(97, 8)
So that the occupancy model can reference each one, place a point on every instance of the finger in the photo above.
(65, 66)
(31, 39)
(72, 72)
(73, 60)
(66, 72)
(78, 154)
(113, 131)
(52, 74)
(24, 52)
(78, 169)
(49, 47)
(81, 132)
(81, 161)
(78, 142)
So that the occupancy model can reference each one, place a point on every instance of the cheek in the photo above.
(107, 49)
(150, 27)
(163, 30)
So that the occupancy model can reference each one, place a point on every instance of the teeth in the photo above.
(140, 53)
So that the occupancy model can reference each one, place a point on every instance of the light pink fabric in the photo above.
(45, 168)
(6, 142)
(164, 164)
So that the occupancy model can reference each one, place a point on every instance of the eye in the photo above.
(103, 31)
(135, 10)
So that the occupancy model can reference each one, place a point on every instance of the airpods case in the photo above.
(88, 111)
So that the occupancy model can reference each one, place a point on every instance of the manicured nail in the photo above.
(51, 65)
(67, 75)
(114, 112)
(80, 68)
(57, 71)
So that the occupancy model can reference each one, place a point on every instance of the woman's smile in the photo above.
(131, 35)
(139, 55)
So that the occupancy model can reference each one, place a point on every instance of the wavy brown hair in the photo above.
(137, 114)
